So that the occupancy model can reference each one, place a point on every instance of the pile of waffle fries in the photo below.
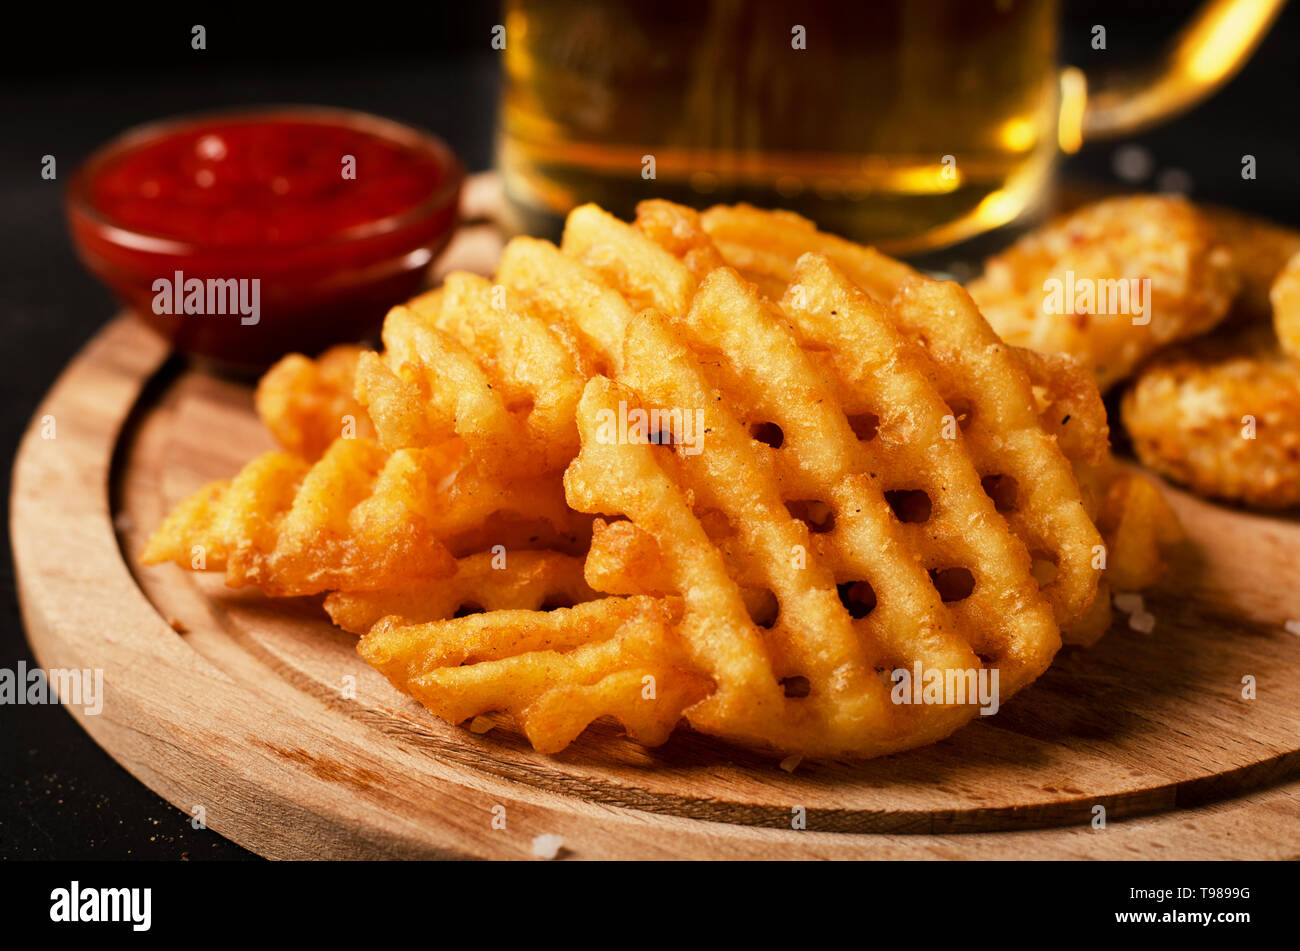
(719, 467)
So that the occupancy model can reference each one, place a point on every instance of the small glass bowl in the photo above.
(313, 293)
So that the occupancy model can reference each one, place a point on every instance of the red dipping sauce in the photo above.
(335, 215)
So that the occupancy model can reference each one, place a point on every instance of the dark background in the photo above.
(67, 84)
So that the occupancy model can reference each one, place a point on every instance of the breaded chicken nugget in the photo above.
(1079, 284)
(1222, 416)
(1285, 296)
(1260, 250)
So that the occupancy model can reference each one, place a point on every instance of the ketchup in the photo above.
(233, 182)
(336, 215)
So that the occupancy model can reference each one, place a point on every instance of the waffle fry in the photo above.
(1003, 615)
(502, 382)
(644, 273)
(764, 246)
(358, 517)
(554, 671)
(474, 398)
(624, 560)
(307, 404)
(1095, 260)
(1219, 416)
(570, 296)
(967, 357)
(488, 581)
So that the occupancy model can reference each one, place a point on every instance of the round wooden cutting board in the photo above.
(262, 713)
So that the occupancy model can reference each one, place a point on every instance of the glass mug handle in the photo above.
(1202, 57)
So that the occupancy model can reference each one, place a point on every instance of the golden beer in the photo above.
(906, 123)
(911, 124)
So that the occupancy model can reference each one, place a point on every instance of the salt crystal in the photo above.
(1130, 602)
(1142, 621)
(791, 763)
(547, 846)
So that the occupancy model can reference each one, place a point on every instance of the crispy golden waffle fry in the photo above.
(868, 537)
(478, 384)
(307, 404)
(570, 297)
(978, 376)
(488, 581)
(479, 367)
(644, 273)
(1285, 297)
(764, 246)
(358, 519)
(1220, 416)
(1135, 521)
(977, 369)
(554, 671)
(1076, 285)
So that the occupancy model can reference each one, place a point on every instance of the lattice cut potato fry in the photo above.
(764, 246)
(486, 581)
(356, 518)
(1137, 525)
(307, 404)
(1075, 285)
(479, 366)
(867, 539)
(554, 671)
(1069, 406)
(967, 356)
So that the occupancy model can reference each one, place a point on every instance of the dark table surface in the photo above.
(61, 796)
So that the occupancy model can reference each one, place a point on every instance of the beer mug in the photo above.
(909, 124)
